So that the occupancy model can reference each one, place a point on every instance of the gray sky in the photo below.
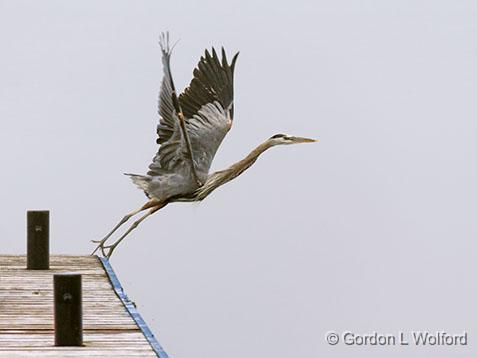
(372, 229)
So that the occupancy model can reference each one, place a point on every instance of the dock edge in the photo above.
(130, 307)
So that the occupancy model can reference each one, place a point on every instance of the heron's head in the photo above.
(288, 139)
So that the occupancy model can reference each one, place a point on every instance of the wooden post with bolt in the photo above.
(38, 240)
(68, 310)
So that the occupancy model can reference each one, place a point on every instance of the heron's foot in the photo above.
(106, 250)
(102, 247)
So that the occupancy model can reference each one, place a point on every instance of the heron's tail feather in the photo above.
(141, 181)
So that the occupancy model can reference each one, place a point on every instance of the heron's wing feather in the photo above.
(208, 106)
(213, 81)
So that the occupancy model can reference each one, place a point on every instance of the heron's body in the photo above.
(176, 178)
(191, 129)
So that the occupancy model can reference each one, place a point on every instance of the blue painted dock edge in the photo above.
(132, 309)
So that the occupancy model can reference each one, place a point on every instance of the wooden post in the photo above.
(38, 240)
(68, 310)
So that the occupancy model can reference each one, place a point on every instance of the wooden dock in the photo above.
(112, 327)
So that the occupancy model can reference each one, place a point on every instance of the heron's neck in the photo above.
(242, 165)
(223, 176)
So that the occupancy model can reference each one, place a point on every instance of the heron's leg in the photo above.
(111, 247)
(101, 242)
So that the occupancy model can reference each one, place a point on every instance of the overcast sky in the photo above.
(371, 229)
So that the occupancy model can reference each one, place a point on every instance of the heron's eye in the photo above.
(278, 136)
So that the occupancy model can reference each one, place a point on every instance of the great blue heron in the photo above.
(190, 130)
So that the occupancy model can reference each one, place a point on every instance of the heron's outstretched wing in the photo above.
(207, 105)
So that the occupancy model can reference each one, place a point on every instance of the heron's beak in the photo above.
(303, 140)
